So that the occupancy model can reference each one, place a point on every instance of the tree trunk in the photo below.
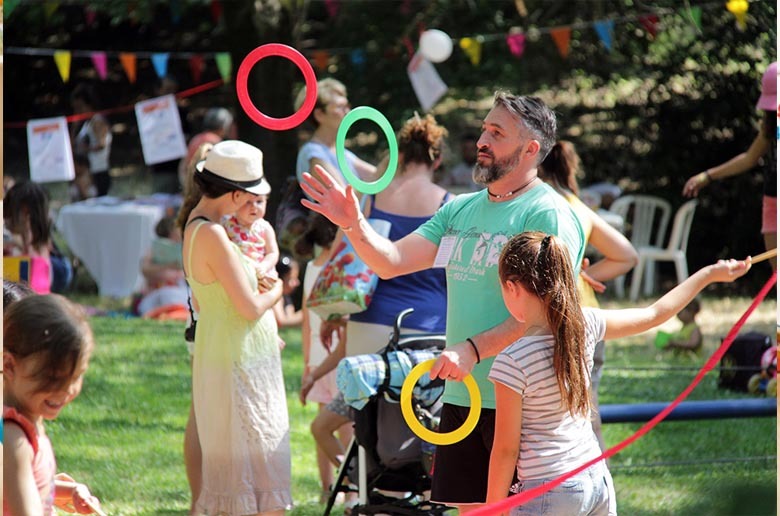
(248, 25)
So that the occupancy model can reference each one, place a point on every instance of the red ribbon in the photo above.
(85, 116)
(521, 498)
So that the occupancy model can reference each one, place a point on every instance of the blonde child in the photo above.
(541, 380)
(255, 237)
(687, 338)
(319, 375)
(47, 346)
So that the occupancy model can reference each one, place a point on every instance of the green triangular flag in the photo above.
(695, 15)
(224, 64)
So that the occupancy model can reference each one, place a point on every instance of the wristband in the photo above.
(474, 346)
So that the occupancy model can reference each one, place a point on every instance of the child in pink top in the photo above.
(47, 345)
(256, 239)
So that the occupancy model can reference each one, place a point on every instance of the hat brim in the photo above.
(767, 102)
(262, 188)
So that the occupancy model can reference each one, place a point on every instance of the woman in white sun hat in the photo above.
(237, 384)
(763, 146)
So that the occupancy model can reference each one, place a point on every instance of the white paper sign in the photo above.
(48, 148)
(159, 126)
(425, 81)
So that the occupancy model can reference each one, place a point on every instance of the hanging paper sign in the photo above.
(159, 126)
(426, 82)
(49, 151)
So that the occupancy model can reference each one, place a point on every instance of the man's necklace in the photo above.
(512, 192)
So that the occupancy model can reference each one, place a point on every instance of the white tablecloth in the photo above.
(111, 237)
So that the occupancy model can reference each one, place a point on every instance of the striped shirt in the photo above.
(552, 441)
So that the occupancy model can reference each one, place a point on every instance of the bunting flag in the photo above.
(605, 28)
(128, 63)
(695, 15)
(175, 8)
(406, 7)
(89, 16)
(49, 8)
(472, 48)
(739, 9)
(160, 63)
(62, 59)
(100, 62)
(196, 67)
(358, 59)
(561, 36)
(321, 58)
(332, 6)
(9, 6)
(522, 10)
(224, 65)
(216, 10)
(516, 43)
(650, 24)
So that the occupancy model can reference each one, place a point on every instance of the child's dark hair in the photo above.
(28, 201)
(561, 167)
(320, 232)
(694, 306)
(164, 228)
(13, 292)
(284, 264)
(540, 264)
(53, 327)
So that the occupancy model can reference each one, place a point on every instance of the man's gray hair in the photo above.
(534, 115)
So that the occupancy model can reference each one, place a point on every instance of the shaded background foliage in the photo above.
(646, 115)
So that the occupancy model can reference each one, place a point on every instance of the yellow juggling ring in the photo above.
(429, 435)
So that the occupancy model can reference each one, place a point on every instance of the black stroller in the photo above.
(384, 455)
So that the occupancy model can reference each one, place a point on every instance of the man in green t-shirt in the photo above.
(466, 236)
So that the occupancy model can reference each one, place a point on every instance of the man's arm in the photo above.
(457, 361)
(340, 205)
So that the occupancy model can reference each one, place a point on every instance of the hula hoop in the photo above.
(429, 435)
(378, 118)
(242, 89)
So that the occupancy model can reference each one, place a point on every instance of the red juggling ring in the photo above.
(242, 90)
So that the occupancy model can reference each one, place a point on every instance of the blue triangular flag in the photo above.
(605, 28)
(160, 62)
(358, 57)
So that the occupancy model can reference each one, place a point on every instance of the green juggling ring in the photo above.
(375, 116)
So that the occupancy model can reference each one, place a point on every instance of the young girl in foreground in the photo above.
(47, 345)
(541, 381)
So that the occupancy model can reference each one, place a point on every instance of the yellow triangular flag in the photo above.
(562, 36)
(739, 9)
(62, 59)
(473, 48)
(128, 63)
(49, 8)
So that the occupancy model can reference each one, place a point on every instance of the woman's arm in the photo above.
(19, 489)
(619, 255)
(736, 165)
(214, 248)
(631, 321)
(506, 442)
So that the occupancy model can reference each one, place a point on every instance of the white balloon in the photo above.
(435, 45)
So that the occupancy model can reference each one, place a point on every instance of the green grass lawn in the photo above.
(123, 435)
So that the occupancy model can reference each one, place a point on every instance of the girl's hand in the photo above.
(726, 271)
(307, 382)
(75, 497)
(597, 286)
(694, 184)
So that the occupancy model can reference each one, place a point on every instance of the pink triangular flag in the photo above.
(516, 43)
(100, 62)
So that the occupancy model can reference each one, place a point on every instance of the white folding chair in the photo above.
(673, 252)
(645, 220)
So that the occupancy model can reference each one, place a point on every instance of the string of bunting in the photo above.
(472, 46)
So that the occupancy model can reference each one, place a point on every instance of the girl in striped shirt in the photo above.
(541, 381)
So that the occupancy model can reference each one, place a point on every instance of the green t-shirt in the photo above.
(481, 228)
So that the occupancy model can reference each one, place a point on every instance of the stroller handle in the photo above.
(398, 321)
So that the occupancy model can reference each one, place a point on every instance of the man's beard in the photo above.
(484, 175)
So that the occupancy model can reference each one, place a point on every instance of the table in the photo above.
(111, 237)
